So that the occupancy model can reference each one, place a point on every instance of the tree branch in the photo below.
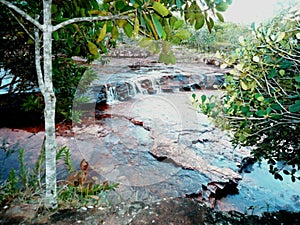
(22, 13)
(89, 19)
(38, 58)
(24, 28)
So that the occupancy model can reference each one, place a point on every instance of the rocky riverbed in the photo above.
(174, 166)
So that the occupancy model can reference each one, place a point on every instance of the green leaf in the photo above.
(158, 27)
(220, 17)
(136, 27)
(272, 73)
(178, 4)
(178, 24)
(128, 29)
(297, 79)
(222, 6)
(183, 34)
(102, 33)
(161, 9)
(55, 36)
(200, 20)
(259, 97)
(203, 98)
(281, 72)
(295, 107)
(260, 113)
(92, 48)
(114, 32)
(243, 85)
(120, 5)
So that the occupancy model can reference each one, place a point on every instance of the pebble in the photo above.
(84, 208)
(90, 207)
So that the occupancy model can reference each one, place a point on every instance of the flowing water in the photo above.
(150, 138)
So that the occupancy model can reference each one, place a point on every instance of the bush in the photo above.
(261, 105)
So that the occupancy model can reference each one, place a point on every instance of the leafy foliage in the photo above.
(25, 183)
(223, 38)
(261, 105)
(153, 20)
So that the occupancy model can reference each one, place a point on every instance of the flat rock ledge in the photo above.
(175, 211)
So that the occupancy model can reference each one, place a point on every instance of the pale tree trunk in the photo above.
(49, 112)
(46, 85)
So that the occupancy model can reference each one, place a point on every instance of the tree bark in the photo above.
(49, 112)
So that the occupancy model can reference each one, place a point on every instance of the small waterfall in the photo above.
(122, 87)
(111, 95)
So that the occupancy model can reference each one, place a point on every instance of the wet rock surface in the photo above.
(151, 140)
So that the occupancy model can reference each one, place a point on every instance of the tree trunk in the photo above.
(49, 112)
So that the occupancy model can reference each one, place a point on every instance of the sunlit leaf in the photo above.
(102, 33)
(243, 85)
(114, 32)
(183, 34)
(92, 48)
(160, 9)
(178, 24)
(136, 27)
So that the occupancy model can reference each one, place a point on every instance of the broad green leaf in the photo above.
(178, 24)
(114, 32)
(178, 4)
(183, 34)
(161, 9)
(102, 33)
(55, 35)
(281, 72)
(128, 29)
(260, 113)
(121, 23)
(272, 73)
(136, 27)
(259, 97)
(222, 6)
(120, 5)
(92, 48)
(295, 107)
(172, 58)
(158, 27)
(243, 85)
(220, 17)
(297, 78)
(245, 109)
(203, 98)
(200, 20)
(145, 42)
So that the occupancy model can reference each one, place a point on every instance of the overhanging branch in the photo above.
(89, 19)
(22, 13)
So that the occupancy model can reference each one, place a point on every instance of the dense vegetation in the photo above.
(261, 104)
